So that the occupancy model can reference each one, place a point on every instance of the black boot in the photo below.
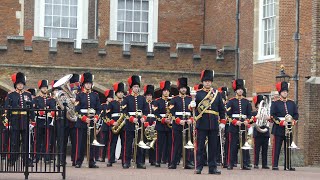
(214, 170)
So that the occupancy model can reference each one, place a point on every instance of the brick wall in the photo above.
(9, 24)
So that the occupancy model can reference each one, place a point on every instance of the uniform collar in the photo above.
(239, 97)
(149, 101)
(20, 92)
(182, 95)
(165, 98)
(206, 90)
(283, 99)
(43, 95)
(134, 94)
(87, 91)
(118, 99)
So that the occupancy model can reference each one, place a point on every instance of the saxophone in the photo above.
(121, 122)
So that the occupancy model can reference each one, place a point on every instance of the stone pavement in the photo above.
(117, 173)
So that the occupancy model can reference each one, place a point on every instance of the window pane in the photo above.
(129, 26)
(74, 2)
(56, 21)
(120, 26)
(56, 10)
(73, 11)
(65, 2)
(145, 16)
(121, 4)
(48, 20)
(144, 27)
(57, 1)
(137, 15)
(136, 27)
(64, 33)
(145, 5)
(121, 14)
(53, 42)
(128, 38)
(65, 10)
(129, 5)
(73, 33)
(47, 32)
(73, 22)
(129, 15)
(55, 33)
(48, 1)
(144, 38)
(120, 36)
(137, 5)
(136, 37)
(64, 22)
(48, 9)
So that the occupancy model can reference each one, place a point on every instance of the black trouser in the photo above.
(212, 147)
(261, 142)
(104, 138)
(277, 143)
(177, 146)
(164, 139)
(43, 142)
(129, 146)
(14, 141)
(113, 139)
(233, 150)
(4, 141)
(82, 145)
(226, 148)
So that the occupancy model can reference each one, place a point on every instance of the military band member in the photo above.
(209, 107)
(279, 109)
(86, 100)
(261, 140)
(151, 119)
(43, 130)
(18, 120)
(224, 95)
(163, 125)
(239, 113)
(182, 121)
(105, 128)
(136, 107)
(115, 110)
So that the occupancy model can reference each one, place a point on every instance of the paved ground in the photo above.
(152, 173)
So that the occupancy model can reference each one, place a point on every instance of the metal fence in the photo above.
(32, 141)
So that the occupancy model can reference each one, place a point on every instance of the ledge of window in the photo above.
(265, 60)
(3, 47)
(38, 38)
(28, 48)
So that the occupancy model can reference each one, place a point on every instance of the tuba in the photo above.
(263, 114)
(64, 96)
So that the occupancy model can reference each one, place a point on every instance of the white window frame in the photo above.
(152, 22)
(261, 32)
(82, 20)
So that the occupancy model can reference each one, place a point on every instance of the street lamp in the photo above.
(283, 77)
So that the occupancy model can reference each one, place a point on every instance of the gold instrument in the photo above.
(189, 144)
(263, 114)
(168, 115)
(246, 145)
(151, 135)
(141, 144)
(289, 145)
(121, 122)
(222, 143)
(64, 96)
(193, 95)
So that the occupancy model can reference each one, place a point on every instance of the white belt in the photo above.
(151, 115)
(163, 115)
(41, 117)
(84, 110)
(183, 114)
(281, 118)
(238, 116)
(135, 113)
(115, 114)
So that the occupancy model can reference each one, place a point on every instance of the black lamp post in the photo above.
(283, 77)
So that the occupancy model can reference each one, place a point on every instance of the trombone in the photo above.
(289, 145)
(243, 146)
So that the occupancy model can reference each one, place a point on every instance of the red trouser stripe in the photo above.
(110, 135)
(172, 145)
(273, 150)
(229, 149)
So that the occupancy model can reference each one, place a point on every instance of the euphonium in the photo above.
(262, 123)
(121, 122)
(151, 135)
(64, 96)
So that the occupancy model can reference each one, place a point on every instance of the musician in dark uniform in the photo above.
(182, 121)
(116, 109)
(136, 107)
(279, 109)
(239, 113)
(105, 128)
(43, 129)
(209, 107)
(18, 120)
(163, 125)
(261, 139)
(86, 100)
(151, 119)
(224, 95)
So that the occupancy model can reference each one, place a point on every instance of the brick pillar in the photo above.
(28, 21)
(311, 121)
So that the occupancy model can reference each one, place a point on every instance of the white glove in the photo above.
(222, 126)
(193, 104)
(250, 131)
